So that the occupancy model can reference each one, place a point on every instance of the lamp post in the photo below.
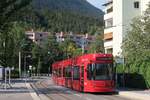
(25, 68)
(19, 63)
(84, 43)
(22, 45)
(121, 60)
(30, 67)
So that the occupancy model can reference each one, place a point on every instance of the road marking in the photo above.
(77, 95)
(33, 94)
(69, 92)
(88, 98)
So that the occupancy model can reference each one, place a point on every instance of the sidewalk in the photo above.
(19, 91)
(135, 94)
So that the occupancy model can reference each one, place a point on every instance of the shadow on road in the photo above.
(106, 93)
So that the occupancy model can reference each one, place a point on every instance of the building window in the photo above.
(136, 4)
(30, 35)
(109, 23)
(110, 51)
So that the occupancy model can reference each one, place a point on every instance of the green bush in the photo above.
(137, 75)
(15, 74)
(135, 80)
(119, 68)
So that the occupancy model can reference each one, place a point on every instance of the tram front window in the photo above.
(99, 71)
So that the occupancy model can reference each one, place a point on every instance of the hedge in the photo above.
(137, 75)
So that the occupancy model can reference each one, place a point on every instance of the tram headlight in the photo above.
(85, 83)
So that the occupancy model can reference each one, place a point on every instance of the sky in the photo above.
(97, 3)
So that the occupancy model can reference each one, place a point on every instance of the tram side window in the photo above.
(59, 72)
(68, 72)
(89, 72)
(64, 72)
(76, 73)
(54, 72)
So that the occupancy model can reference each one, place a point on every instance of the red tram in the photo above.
(87, 73)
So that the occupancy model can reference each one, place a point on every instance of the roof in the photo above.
(80, 59)
(109, 2)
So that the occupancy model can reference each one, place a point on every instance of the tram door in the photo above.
(82, 78)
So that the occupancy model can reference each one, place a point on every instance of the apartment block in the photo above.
(38, 37)
(118, 17)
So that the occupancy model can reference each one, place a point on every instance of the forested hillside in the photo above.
(64, 15)
(77, 6)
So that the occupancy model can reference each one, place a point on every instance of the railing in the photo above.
(41, 74)
(110, 10)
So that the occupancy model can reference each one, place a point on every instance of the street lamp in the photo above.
(25, 69)
(84, 43)
(30, 68)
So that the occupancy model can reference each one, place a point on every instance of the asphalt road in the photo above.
(54, 92)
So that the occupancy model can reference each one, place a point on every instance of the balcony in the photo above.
(108, 16)
(108, 7)
(109, 10)
(108, 36)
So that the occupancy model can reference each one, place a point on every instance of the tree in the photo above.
(137, 41)
(50, 53)
(9, 9)
(11, 43)
(136, 48)
(9, 12)
(36, 57)
(77, 52)
(97, 45)
(68, 47)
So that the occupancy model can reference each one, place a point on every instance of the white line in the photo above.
(69, 92)
(77, 95)
(88, 98)
(32, 93)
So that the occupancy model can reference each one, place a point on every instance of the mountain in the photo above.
(78, 6)
(77, 16)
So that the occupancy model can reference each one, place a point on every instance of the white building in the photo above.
(38, 37)
(118, 16)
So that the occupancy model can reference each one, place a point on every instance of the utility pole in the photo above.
(123, 71)
(25, 73)
(83, 49)
(84, 42)
(83, 45)
(19, 63)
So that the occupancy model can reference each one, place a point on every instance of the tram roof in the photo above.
(79, 59)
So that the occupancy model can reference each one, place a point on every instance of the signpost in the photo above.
(7, 71)
(1, 72)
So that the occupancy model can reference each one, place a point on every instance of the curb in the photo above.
(137, 96)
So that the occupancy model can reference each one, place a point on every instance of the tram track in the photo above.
(53, 92)
(43, 88)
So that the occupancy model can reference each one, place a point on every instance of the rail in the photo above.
(43, 88)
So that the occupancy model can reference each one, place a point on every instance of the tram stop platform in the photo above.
(134, 94)
(18, 90)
